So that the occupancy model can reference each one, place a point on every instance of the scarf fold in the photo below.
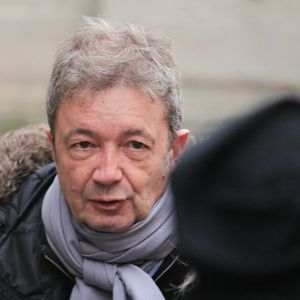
(108, 266)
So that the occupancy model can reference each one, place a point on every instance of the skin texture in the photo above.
(113, 156)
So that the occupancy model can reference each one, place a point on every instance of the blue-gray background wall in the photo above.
(234, 54)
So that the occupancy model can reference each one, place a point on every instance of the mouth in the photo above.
(108, 205)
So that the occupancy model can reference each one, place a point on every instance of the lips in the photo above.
(108, 204)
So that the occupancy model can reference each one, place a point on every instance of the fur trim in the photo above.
(22, 151)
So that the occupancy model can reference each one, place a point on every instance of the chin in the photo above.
(110, 227)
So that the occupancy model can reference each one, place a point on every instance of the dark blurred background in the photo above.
(233, 54)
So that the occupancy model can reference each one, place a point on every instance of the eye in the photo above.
(82, 145)
(137, 145)
(137, 150)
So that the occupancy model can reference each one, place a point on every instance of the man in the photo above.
(100, 223)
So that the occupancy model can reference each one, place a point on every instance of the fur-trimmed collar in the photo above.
(22, 151)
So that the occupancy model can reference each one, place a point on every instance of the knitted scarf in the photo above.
(114, 266)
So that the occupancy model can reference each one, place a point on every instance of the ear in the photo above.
(179, 145)
(50, 139)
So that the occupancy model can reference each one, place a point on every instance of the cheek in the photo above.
(161, 170)
(73, 178)
(73, 183)
(153, 180)
(149, 189)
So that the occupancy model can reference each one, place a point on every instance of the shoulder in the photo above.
(28, 198)
(23, 229)
(37, 182)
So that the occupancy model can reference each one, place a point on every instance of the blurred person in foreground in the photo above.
(238, 204)
(99, 222)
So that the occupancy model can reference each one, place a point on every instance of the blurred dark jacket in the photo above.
(238, 206)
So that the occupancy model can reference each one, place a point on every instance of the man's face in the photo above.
(113, 156)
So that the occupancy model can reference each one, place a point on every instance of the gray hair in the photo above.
(102, 55)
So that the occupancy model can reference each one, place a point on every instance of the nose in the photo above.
(108, 170)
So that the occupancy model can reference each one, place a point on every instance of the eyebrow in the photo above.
(139, 132)
(82, 131)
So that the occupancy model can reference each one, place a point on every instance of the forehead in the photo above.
(113, 108)
(113, 96)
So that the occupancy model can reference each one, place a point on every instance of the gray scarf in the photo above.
(115, 266)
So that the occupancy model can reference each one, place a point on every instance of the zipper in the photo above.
(53, 262)
(46, 253)
(167, 268)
